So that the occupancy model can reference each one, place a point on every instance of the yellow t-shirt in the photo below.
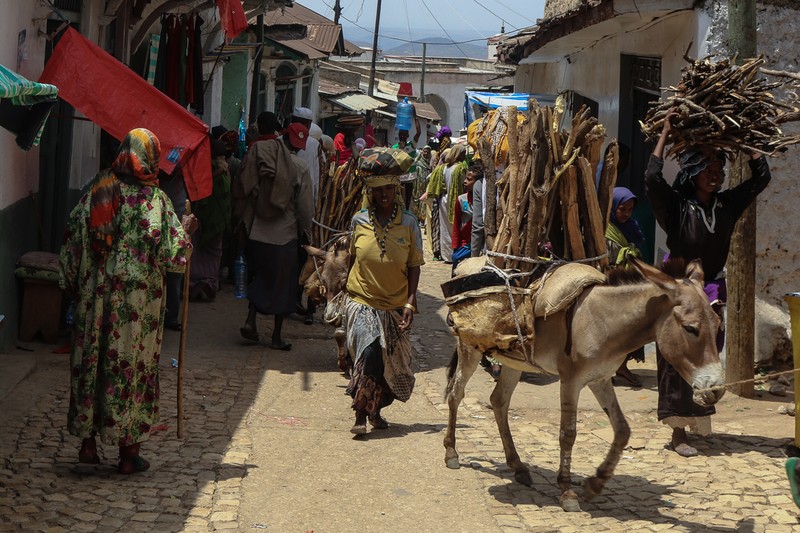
(382, 283)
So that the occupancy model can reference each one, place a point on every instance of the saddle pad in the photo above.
(562, 286)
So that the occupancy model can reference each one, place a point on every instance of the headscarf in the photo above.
(136, 164)
(372, 182)
(693, 162)
(444, 132)
(630, 229)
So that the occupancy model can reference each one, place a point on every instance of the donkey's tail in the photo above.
(451, 371)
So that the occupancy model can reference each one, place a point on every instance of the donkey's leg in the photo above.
(468, 359)
(501, 398)
(604, 392)
(569, 413)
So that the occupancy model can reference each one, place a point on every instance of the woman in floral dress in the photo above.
(121, 239)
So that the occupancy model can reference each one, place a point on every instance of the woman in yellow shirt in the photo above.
(386, 255)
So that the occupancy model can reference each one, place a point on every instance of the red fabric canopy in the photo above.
(119, 100)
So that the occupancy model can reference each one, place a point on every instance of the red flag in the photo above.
(234, 21)
(118, 100)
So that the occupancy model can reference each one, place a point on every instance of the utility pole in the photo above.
(256, 104)
(374, 48)
(337, 11)
(422, 81)
(740, 330)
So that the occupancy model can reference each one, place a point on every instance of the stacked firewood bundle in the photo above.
(338, 200)
(727, 107)
(547, 192)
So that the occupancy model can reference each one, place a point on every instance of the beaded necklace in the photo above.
(383, 231)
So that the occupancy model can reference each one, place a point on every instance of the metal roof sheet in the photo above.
(426, 111)
(356, 102)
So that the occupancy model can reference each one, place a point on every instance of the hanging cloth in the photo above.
(152, 59)
(160, 81)
(197, 59)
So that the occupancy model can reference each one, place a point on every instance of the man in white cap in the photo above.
(310, 155)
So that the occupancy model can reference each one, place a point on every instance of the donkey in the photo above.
(585, 344)
(324, 277)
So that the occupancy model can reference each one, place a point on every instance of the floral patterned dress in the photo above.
(118, 328)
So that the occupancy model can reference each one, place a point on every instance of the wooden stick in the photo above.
(182, 345)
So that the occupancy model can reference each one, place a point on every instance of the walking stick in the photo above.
(182, 346)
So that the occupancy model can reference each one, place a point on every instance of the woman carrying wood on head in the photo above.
(699, 221)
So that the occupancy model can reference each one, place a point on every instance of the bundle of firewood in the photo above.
(725, 106)
(547, 192)
(339, 198)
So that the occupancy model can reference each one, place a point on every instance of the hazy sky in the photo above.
(412, 19)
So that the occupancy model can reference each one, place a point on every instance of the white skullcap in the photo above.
(303, 112)
(327, 143)
(315, 131)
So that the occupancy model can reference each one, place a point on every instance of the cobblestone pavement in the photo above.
(736, 484)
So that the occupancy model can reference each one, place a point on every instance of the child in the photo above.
(462, 218)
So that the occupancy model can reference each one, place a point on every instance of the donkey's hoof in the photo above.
(569, 502)
(523, 477)
(592, 487)
(452, 462)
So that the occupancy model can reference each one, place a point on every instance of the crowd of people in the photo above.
(130, 237)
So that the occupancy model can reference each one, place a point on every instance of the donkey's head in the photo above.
(686, 330)
(330, 273)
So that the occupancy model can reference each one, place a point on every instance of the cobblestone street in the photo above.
(267, 447)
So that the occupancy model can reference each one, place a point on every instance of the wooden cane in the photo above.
(184, 318)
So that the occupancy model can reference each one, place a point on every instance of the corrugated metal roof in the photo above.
(323, 34)
(426, 111)
(300, 46)
(356, 102)
(330, 87)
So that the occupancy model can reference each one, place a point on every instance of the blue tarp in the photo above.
(476, 103)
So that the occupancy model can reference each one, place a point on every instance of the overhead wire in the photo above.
(442, 27)
(515, 12)
(504, 21)
(382, 36)
(408, 25)
(462, 18)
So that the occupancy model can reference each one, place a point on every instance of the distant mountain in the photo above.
(397, 46)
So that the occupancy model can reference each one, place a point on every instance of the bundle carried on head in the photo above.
(726, 107)
(384, 162)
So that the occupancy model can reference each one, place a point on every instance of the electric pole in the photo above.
(374, 48)
(740, 330)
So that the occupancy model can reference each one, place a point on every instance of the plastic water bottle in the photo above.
(405, 112)
(242, 135)
(240, 277)
(70, 315)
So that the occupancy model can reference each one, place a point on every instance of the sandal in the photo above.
(248, 333)
(684, 450)
(283, 346)
(378, 422)
(132, 466)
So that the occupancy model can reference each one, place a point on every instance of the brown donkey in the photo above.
(607, 322)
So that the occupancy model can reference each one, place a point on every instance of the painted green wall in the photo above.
(234, 90)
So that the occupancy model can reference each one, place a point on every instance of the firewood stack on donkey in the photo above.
(579, 326)
(324, 277)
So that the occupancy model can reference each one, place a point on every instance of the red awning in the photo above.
(119, 100)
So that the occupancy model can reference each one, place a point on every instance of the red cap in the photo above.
(298, 135)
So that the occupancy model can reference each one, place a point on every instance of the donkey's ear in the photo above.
(653, 274)
(694, 271)
(316, 252)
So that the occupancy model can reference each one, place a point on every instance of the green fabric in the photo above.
(37, 273)
(456, 189)
(22, 91)
(626, 252)
(436, 182)
(214, 212)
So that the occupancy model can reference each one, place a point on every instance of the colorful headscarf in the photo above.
(137, 164)
(372, 182)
